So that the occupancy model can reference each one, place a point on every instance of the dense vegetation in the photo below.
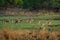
(35, 4)
(29, 35)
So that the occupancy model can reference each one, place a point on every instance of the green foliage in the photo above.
(19, 2)
(55, 3)
(2, 2)
(32, 3)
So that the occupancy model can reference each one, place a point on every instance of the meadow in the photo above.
(31, 22)
(30, 27)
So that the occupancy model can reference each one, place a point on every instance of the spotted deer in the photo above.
(18, 20)
(6, 20)
(49, 22)
(43, 27)
(30, 20)
(38, 21)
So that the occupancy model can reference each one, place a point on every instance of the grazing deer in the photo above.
(38, 21)
(6, 20)
(30, 20)
(12, 20)
(49, 22)
(18, 20)
(43, 27)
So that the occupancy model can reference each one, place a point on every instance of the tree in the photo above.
(19, 3)
(2, 2)
(55, 3)
(32, 4)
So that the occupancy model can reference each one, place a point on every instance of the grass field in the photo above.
(28, 27)
(33, 25)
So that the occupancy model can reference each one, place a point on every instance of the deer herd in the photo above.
(29, 20)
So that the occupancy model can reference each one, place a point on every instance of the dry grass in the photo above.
(29, 35)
